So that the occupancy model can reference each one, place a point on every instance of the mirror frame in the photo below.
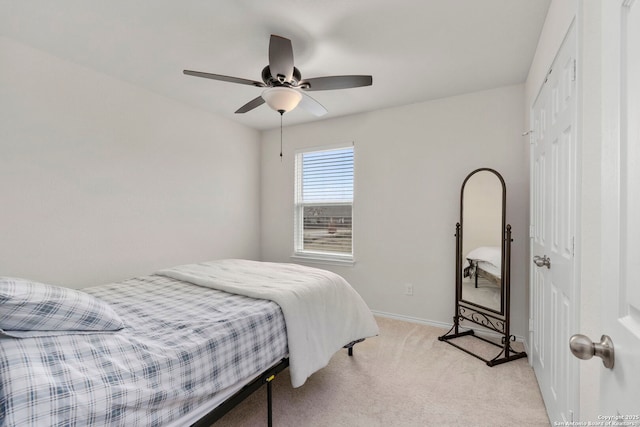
(504, 267)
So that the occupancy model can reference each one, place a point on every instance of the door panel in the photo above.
(553, 154)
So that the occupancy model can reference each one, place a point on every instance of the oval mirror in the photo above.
(482, 220)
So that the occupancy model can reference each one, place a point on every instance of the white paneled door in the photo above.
(620, 386)
(553, 201)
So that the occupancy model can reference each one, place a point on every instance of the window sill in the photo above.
(323, 259)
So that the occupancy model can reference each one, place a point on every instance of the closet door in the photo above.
(553, 201)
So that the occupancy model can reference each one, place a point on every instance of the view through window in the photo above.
(324, 203)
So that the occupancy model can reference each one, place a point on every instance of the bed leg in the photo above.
(349, 346)
(269, 402)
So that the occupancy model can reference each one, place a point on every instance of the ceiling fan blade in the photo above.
(312, 106)
(335, 82)
(255, 102)
(224, 78)
(281, 58)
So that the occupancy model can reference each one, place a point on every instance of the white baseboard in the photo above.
(411, 319)
(444, 325)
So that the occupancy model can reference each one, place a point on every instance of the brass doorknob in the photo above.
(583, 348)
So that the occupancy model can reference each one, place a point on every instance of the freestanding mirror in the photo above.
(483, 258)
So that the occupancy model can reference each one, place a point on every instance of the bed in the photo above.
(485, 262)
(171, 348)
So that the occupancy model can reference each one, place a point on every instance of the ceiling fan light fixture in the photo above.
(282, 99)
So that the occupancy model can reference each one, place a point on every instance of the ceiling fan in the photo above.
(285, 86)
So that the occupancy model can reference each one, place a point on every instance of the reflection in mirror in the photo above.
(482, 219)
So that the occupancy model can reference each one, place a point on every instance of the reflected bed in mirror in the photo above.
(482, 277)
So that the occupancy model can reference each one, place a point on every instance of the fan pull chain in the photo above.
(281, 114)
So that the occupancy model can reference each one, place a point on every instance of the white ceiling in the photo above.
(416, 50)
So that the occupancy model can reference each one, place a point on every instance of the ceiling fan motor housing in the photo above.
(272, 81)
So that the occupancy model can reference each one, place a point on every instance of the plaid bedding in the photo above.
(181, 344)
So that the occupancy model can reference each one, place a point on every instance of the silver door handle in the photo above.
(542, 261)
(583, 348)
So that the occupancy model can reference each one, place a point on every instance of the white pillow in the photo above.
(29, 309)
(490, 254)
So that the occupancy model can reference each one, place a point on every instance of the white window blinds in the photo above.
(324, 203)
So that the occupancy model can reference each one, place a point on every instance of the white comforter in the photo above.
(321, 310)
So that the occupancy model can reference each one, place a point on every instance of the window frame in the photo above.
(298, 214)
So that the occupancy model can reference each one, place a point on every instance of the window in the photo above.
(324, 204)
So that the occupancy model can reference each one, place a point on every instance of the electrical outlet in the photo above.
(408, 289)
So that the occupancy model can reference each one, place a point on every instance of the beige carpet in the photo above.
(404, 377)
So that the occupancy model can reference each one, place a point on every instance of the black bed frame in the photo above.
(477, 271)
(264, 378)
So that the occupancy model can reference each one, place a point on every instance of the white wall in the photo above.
(410, 163)
(101, 180)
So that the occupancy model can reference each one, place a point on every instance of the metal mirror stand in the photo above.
(492, 320)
